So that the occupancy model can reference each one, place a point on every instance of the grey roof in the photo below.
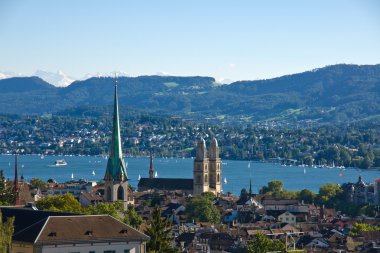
(41, 227)
(170, 184)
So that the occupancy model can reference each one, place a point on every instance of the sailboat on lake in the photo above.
(225, 180)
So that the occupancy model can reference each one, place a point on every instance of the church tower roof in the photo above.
(115, 166)
(250, 187)
(151, 170)
(201, 153)
(15, 182)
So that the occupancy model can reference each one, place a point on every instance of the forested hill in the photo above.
(338, 93)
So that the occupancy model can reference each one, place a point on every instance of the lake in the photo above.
(237, 173)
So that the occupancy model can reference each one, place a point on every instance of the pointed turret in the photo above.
(201, 152)
(151, 170)
(250, 187)
(214, 149)
(15, 181)
(16, 188)
(116, 169)
(215, 167)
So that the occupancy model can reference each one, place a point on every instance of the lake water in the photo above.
(237, 173)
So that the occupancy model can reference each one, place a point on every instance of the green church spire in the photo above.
(115, 166)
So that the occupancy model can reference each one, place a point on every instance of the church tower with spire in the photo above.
(215, 167)
(201, 169)
(151, 170)
(116, 180)
(16, 188)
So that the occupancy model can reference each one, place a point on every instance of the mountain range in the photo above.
(337, 93)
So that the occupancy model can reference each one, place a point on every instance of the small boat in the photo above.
(72, 175)
(249, 165)
(156, 175)
(304, 171)
(225, 180)
(93, 172)
(139, 177)
(60, 162)
(42, 156)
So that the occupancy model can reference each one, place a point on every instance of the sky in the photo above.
(237, 40)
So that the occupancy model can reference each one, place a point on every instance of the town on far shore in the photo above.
(189, 214)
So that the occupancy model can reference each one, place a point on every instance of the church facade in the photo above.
(207, 174)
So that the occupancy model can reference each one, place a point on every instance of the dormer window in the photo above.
(123, 231)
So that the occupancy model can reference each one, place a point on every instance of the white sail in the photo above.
(93, 172)
(156, 175)
(249, 165)
(225, 180)
(139, 177)
(72, 175)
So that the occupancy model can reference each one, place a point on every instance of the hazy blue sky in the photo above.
(224, 39)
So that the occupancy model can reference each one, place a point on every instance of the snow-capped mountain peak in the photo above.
(58, 79)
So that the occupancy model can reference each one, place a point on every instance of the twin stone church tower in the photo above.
(207, 169)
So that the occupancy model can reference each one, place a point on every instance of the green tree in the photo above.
(60, 203)
(345, 157)
(274, 187)
(307, 196)
(262, 244)
(329, 194)
(6, 232)
(362, 227)
(159, 231)
(132, 218)
(6, 193)
(202, 209)
(37, 183)
(366, 162)
(110, 208)
(208, 195)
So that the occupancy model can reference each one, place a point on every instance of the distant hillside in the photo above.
(338, 93)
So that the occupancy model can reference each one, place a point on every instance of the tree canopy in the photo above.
(6, 232)
(159, 231)
(202, 209)
(262, 244)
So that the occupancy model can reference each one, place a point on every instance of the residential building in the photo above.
(54, 232)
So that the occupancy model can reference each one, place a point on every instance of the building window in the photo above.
(218, 177)
(206, 167)
(127, 251)
(206, 179)
(120, 193)
(198, 179)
